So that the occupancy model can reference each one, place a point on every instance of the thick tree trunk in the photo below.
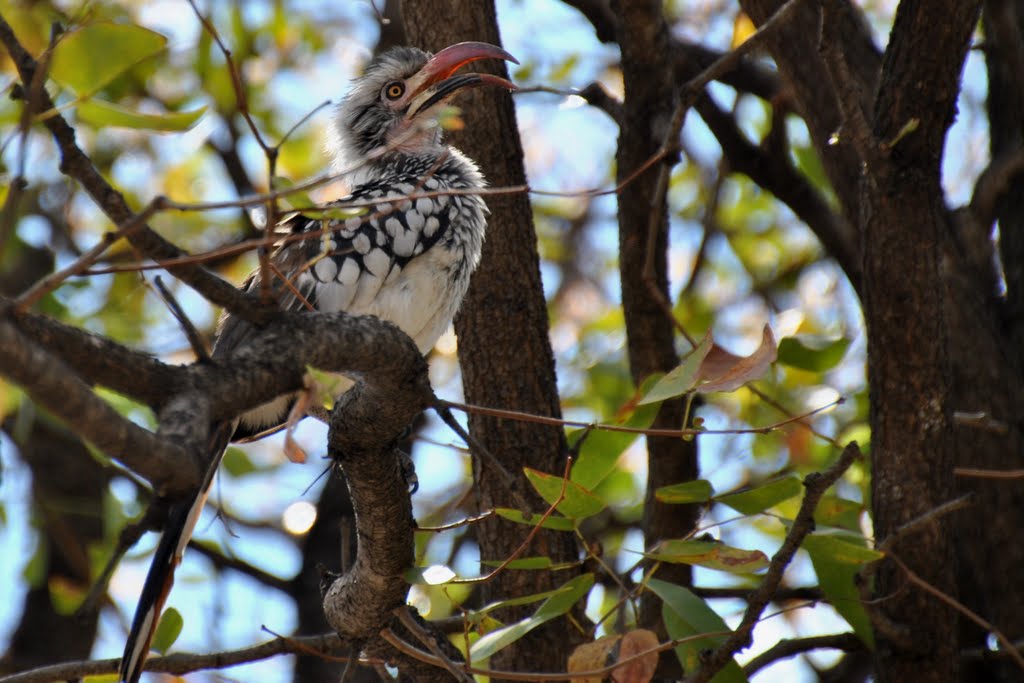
(907, 249)
(649, 102)
(504, 350)
(988, 355)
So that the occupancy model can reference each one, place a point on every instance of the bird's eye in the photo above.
(394, 90)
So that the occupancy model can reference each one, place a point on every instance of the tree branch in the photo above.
(56, 387)
(77, 165)
(788, 647)
(101, 361)
(816, 484)
(775, 173)
(183, 663)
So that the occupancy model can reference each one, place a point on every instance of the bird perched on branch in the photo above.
(407, 258)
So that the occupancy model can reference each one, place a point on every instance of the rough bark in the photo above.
(906, 248)
(987, 360)
(650, 99)
(504, 350)
(935, 341)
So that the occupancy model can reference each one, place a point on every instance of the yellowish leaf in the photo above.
(742, 29)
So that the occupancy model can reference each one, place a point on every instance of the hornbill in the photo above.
(407, 259)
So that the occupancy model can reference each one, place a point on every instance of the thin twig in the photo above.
(788, 647)
(920, 521)
(800, 419)
(407, 619)
(195, 340)
(988, 474)
(529, 537)
(183, 663)
(461, 523)
(443, 409)
(51, 282)
(963, 609)
(730, 60)
(816, 484)
(680, 433)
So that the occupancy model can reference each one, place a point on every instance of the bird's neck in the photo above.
(434, 160)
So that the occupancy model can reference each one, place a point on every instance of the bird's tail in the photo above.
(181, 521)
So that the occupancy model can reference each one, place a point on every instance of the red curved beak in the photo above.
(452, 58)
(436, 82)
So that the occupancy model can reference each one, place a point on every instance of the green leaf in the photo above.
(237, 462)
(99, 113)
(686, 615)
(683, 378)
(552, 522)
(168, 630)
(760, 498)
(836, 562)
(577, 503)
(696, 491)
(599, 455)
(93, 56)
(818, 356)
(541, 562)
(66, 595)
(602, 449)
(514, 602)
(558, 604)
(710, 554)
(838, 512)
(326, 385)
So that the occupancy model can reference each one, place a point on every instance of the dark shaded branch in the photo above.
(56, 387)
(183, 663)
(992, 186)
(745, 75)
(794, 50)
(775, 173)
(781, 595)
(274, 360)
(99, 360)
(788, 647)
(222, 561)
(815, 484)
(366, 424)
(850, 98)
(274, 363)
(652, 116)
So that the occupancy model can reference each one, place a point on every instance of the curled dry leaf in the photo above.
(723, 371)
(608, 650)
(711, 368)
(639, 670)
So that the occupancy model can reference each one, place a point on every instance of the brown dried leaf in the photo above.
(724, 371)
(642, 669)
(608, 650)
(592, 656)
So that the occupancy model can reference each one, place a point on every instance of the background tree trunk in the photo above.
(504, 350)
(650, 99)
